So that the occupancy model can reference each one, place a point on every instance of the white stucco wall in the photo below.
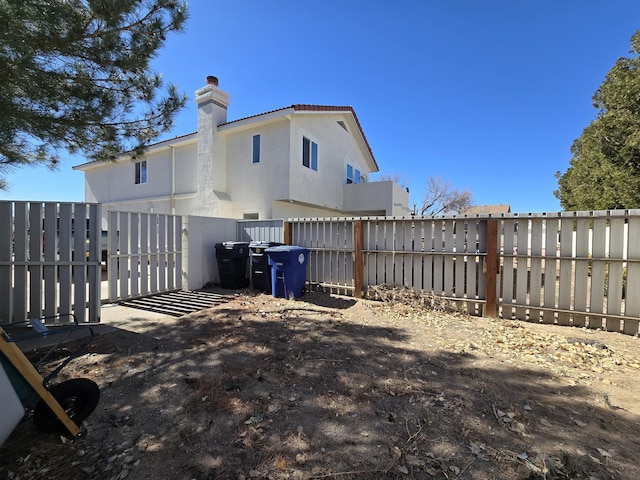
(211, 173)
(253, 186)
(170, 187)
(336, 149)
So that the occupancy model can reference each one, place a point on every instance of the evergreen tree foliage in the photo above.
(75, 76)
(604, 171)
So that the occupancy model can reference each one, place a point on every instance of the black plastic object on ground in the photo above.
(288, 270)
(232, 260)
(260, 268)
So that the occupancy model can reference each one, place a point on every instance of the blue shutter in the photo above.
(314, 156)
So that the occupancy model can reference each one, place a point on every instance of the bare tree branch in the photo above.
(441, 198)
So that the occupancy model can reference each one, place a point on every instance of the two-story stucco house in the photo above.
(297, 161)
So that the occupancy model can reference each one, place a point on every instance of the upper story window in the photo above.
(309, 154)
(141, 172)
(353, 175)
(256, 149)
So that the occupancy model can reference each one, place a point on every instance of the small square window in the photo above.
(141, 172)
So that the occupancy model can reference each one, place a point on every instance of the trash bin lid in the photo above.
(288, 252)
(233, 244)
(286, 248)
(264, 244)
(232, 248)
(258, 247)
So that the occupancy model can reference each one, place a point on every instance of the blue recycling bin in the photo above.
(288, 270)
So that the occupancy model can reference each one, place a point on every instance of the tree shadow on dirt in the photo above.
(299, 392)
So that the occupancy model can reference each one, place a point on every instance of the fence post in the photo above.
(358, 261)
(287, 235)
(491, 267)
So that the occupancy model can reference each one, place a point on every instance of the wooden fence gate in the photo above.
(143, 254)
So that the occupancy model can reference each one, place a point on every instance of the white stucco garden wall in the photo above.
(388, 198)
(199, 238)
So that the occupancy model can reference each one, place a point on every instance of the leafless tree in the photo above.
(441, 198)
(394, 177)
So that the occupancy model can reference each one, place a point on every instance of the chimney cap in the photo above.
(211, 80)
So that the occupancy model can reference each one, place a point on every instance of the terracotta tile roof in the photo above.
(301, 107)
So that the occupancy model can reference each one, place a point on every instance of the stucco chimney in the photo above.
(212, 158)
(213, 100)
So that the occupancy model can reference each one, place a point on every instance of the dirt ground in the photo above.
(328, 387)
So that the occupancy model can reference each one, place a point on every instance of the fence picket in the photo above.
(582, 280)
(632, 299)
(144, 255)
(598, 271)
(447, 285)
(6, 262)
(461, 257)
(567, 265)
(615, 274)
(550, 263)
(134, 252)
(50, 246)
(507, 272)
(523, 265)
(535, 282)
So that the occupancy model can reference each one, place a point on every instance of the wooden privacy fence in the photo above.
(568, 268)
(49, 261)
(572, 268)
(445, 256)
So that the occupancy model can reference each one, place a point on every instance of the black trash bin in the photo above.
(260, 268)
(232, 260)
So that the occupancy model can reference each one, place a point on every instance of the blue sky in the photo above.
(488, 95)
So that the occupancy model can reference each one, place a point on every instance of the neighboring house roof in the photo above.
(486, 209)
(295, 107)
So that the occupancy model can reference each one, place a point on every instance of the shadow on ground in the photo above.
(301, 392)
